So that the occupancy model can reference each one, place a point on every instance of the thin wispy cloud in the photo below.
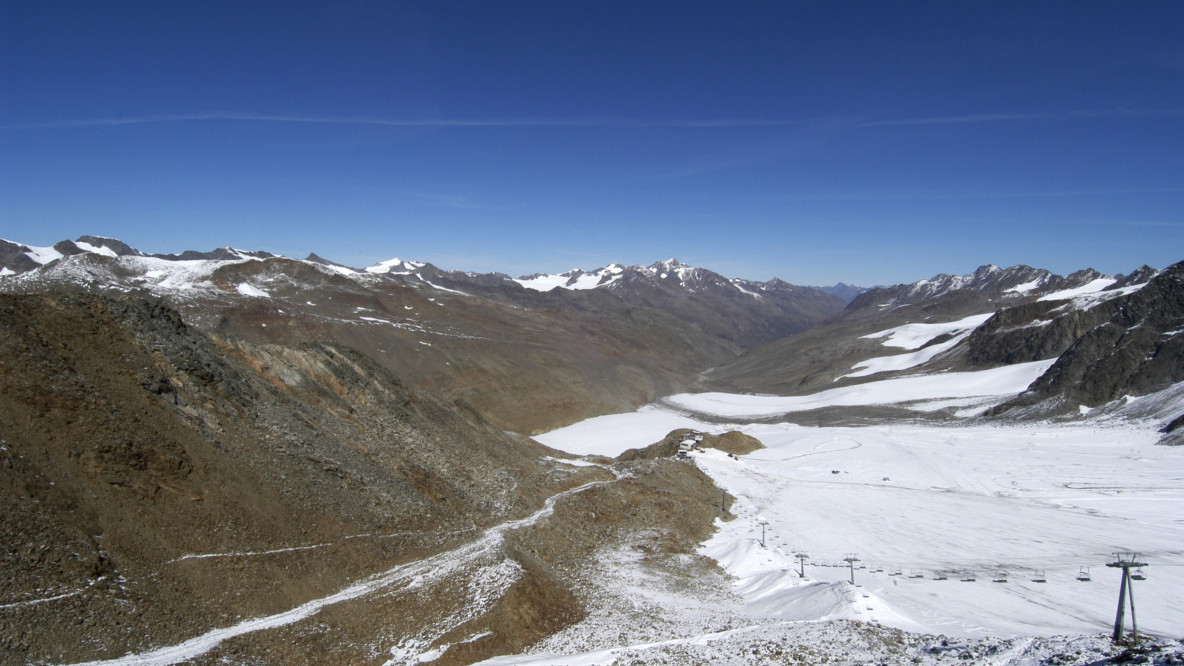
(836, 122)
(980, 118)
(955, 195)
(574, 121)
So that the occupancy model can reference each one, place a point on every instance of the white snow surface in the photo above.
(1089, 288)
(613, 434)
(968, 502)
(167, 275)
(43, 255)
(96, 249)
(982, 501)
(898, 362)
(573, 279)
(915, 336)
(912, 336)
(250, 290)
(395, 266)
(920, 392)
(1027, 286)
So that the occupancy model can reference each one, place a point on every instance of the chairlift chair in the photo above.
(1138, 574)
(1038, 577)
(1083, 575)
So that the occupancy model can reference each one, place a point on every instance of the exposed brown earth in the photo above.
(131, 441)
(733, 442)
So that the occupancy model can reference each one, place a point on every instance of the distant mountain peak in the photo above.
(395, 266)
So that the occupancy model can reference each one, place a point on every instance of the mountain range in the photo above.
(527, 358)
(194, 440)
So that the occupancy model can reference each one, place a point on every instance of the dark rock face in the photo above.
(13, 257)
(1173, 425)
(1030, 332)
(1131, 344)
(117, 246)
(986, 284)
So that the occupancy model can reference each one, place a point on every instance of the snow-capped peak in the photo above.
(573, 279)
(395, 266)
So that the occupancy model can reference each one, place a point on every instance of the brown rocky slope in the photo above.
(157, 484)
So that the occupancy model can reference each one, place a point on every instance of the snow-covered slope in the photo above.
(977, 532)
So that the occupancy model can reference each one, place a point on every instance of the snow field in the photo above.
(974, 501)
(915, 336)
(966, 502)
(922, 393)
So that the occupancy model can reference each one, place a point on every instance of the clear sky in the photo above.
(868, 142)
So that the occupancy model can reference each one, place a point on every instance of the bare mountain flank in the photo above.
(160, 484)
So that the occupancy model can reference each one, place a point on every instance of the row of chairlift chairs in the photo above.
(1083, 575)
(999, 577)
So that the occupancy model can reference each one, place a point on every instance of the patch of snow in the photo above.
(913, 336)
(1025, 287)
(43, 255)
(451, 291)
(574, 462)
(573, 279)
(742, 290)
(96, 249)
(896, 362)
(996, 382)
(613, 434)
(251, 290)
(1089, 288)
(395, 266)
(336, 269)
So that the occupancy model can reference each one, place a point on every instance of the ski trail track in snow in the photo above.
(292, 549)
(415, 574)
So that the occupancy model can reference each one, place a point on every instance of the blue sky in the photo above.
(868, 142)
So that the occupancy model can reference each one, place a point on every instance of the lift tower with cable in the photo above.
(1126, 562)
(851, 560)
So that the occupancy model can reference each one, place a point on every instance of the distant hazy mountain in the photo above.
(845, 291)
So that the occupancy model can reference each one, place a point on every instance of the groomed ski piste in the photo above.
(973, 539)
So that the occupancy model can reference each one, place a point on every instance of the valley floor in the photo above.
(952, 528)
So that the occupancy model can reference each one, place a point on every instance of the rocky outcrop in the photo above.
(1131, 345)
(14, 258)
(1031, 332)
(733, 442)
(969, 292)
